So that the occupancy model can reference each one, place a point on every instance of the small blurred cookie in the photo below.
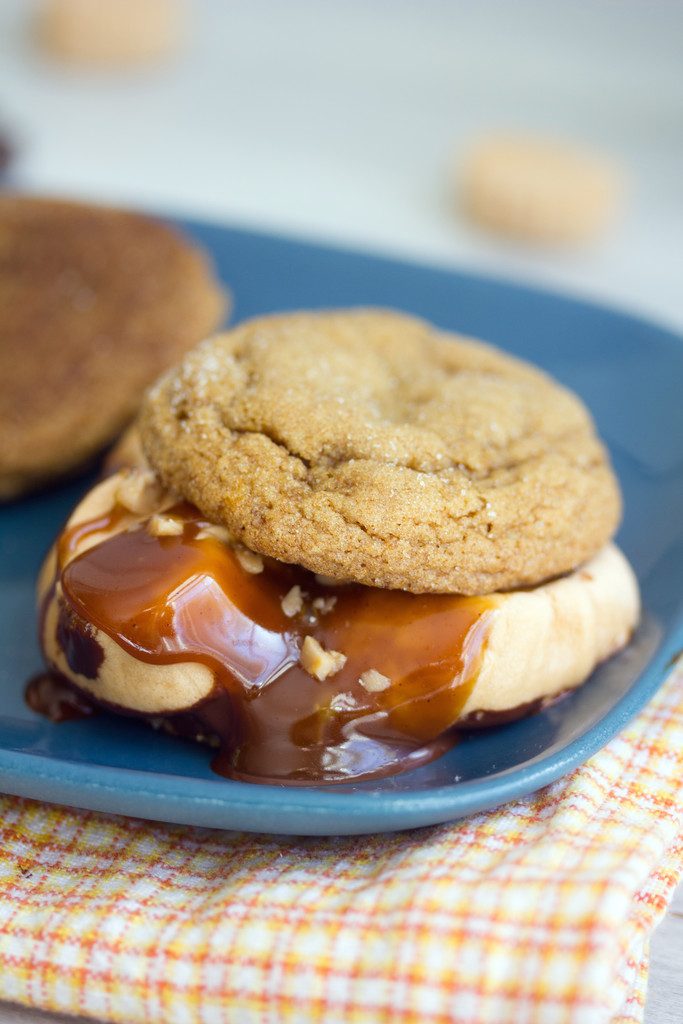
(109, 33)
(95, 304)
(539, 190)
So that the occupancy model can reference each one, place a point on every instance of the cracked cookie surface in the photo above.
(367, 445)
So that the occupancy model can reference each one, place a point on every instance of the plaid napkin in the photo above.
(538, 912)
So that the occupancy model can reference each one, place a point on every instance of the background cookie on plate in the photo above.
(95, 304)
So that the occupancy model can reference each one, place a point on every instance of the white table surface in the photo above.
(345, 121)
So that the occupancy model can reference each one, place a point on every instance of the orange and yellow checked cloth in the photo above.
(537, 913)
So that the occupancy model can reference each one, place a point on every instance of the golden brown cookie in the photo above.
(95, 304)
(539, 190)
(369, 446)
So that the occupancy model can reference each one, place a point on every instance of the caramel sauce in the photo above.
(187, 598)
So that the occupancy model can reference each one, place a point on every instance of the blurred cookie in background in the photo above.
(109, 33)
(95, 304)
(539, 190)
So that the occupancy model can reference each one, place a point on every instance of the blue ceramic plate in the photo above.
(630, 373)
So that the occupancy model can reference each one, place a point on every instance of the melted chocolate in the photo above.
(490, 719)
(75, 637)
(52, 695)
(187, 598)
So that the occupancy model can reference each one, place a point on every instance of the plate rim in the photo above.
(362, 812)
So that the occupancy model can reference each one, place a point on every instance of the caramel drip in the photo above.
(50, 695)
(187, 598)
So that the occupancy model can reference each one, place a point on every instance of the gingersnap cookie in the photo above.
(100, 33)
(539, 190)
(369, 446)
(95, 304)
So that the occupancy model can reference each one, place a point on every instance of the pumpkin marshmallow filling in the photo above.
(149, 609)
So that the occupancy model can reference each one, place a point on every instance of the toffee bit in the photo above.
(164, 526)
(250, 561)
(215, 532)
(318, 662)
(374, 682)
(292, 602)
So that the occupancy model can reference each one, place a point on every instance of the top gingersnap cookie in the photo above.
(369, 446)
